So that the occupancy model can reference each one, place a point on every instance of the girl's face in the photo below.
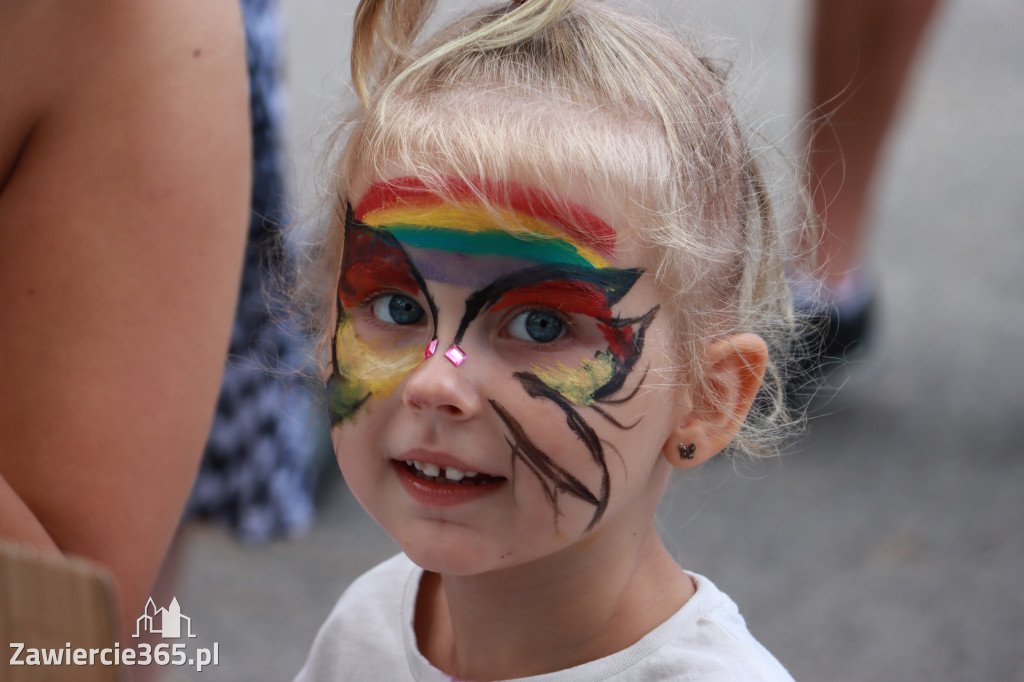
(497, 396)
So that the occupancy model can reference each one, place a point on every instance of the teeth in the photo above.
(450, 473)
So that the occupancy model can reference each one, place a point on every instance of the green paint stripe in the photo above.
(487, 243)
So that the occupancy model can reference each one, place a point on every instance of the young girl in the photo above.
(552, 277)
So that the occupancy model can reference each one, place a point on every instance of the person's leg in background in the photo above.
(861, 54)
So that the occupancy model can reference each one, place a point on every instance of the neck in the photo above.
(577, 606)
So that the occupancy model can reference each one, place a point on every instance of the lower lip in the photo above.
(433, 494)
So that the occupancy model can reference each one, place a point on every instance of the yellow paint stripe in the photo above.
(472, 218)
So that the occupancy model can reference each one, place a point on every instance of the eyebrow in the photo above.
(614, 284)
(579, 224)
(369, 253)
(570, 296)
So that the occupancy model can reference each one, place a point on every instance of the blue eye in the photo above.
(397, 309)
(539, 326)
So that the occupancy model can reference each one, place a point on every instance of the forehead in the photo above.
(487, 219)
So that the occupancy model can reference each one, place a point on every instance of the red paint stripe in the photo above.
(576, 221)
(368, 277)
(570, 297)
(370, 263)
(620, 341)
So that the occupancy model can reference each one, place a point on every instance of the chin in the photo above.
(456, 558)
(464, 557)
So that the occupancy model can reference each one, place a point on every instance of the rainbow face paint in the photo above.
(362, 370)
(534, 225)
(545, 255)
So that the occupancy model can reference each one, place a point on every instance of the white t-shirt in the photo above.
(369, 636)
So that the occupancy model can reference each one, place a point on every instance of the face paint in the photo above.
(362, 370)
(578, 384)
(372, 257)
(402, 217)
(585, 292)
(403, 236)
(528, 213)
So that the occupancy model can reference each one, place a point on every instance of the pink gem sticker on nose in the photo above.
(430, 349)
(455, 355)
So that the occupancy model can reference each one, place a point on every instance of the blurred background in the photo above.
(886, 543)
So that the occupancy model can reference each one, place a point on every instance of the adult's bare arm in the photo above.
(124, 188)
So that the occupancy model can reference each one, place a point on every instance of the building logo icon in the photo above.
(165, 622)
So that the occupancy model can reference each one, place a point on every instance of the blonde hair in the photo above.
(576, 95)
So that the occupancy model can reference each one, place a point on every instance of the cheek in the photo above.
(578, 384)
(365, 371)
(354, 441)
(605, 377)
(560, 455)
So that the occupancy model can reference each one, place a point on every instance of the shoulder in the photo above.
(364, 637)
(708, 640)
(704, 641)
(124, 194)
(376, 598)
(105, 26)
(62, 56)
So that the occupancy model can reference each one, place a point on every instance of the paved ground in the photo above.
(887, 544)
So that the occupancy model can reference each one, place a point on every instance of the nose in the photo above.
(440, 385)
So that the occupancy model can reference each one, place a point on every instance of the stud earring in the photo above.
(686, 451)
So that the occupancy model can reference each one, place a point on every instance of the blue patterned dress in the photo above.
(256, 475)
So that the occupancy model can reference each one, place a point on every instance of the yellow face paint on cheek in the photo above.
(364, 371)
(578, 384)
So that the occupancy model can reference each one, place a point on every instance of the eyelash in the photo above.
(567, 325)
(365, 310)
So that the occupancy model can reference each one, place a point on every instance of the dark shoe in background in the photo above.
(833, 342)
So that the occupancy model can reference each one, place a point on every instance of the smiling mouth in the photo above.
(448, 475)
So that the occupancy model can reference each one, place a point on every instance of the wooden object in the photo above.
(59, 604)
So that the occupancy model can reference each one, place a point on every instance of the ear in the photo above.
(709, 416)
